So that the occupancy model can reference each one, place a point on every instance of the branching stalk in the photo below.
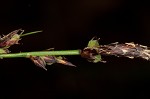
(93, 52)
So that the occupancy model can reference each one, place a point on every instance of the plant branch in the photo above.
(93, 52)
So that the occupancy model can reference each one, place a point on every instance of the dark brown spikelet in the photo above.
(130, 50)
(62, 60)
(11, 38)
(49, 59)
(89, 53)
(38, 61)
(42, 61)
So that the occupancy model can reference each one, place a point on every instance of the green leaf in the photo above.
(97, 58)
(93, 43)
(3, 51)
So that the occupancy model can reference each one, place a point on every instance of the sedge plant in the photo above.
(93, 52)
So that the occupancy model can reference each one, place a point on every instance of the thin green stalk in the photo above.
(30, 33)
(41, 53)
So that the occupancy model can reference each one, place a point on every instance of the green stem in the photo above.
(41, 53)
(30, 33)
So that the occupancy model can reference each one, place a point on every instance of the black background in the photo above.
(70, 24)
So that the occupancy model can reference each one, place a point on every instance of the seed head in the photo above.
(10, 39)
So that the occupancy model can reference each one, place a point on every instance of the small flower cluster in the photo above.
(10, 39)
(42, 61)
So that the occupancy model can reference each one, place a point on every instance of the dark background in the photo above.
(70, 24)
